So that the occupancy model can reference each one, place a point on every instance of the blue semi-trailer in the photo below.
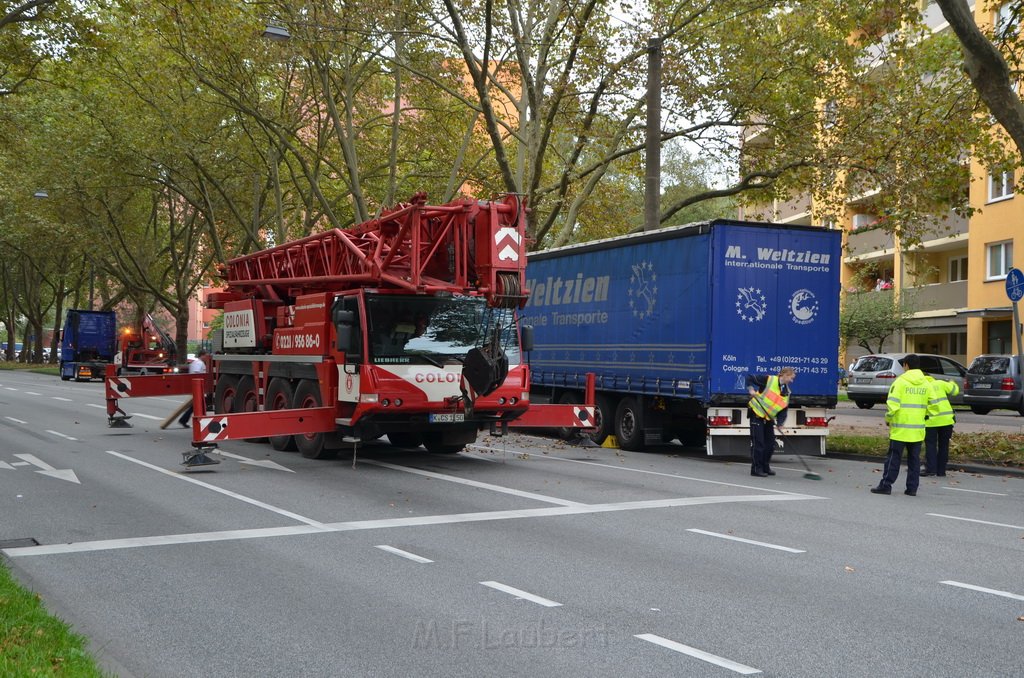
(672, 321)
(88, 343)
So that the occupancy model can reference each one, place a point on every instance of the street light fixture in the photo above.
(276, 33)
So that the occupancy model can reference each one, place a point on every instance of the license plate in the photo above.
(447, 417)
(982, 386)
(862, 380)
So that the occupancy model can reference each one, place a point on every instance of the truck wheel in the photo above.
(980, 410)
(629, 422)
(405, 439)
(569, 398)
(280, 396)
(245, 401)
(311, 445)
(224, 394)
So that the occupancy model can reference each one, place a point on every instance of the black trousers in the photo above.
(936, 448)
(762, 444)
(892, 464)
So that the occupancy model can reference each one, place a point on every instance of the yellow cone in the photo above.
(611, 442)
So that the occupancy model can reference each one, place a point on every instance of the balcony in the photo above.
(945, 234)
(939, 296)
(795, 210)
(874, 241)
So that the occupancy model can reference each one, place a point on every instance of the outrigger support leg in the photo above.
(119, 421)
(197, 456)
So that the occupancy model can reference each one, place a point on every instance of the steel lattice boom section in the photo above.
(465, 246)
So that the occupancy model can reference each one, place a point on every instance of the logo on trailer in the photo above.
(751, 304)
(643, 289)
(803, 307)
(436, 377)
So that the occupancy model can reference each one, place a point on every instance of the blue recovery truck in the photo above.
(672, 321)
(88, 343)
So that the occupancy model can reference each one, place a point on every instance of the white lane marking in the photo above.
(961, 489)
(746, 541)
(982, 589)
(519, 593)
(404, 554)
(47, 470)
(10, 389)
(61, 435)
(974, 520)
(20, 463)
(147, 416)
(4, 464)
(102, 407)
(227, 493)
(265, 463)
(742, 669)
(32, 393)
(67, 400)
(386, 523)
(475, 483)
(16, 421)
(667, 475)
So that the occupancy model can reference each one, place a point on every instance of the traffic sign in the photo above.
(1015, 284)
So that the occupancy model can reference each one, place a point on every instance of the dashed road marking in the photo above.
(974, 520)
(61, 435)
(742, 669)
(16, 421)
(982, 589)
(963, 489)
(405, 554)
(66, 400)
(746, 541)
(519, 593)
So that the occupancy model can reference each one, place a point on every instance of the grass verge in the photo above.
(995, 449)
(30, 367)
(35, 643)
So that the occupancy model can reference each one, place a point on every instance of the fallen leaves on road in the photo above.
(849, 569)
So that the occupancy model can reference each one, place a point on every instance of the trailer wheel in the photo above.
(225, 393)
(604, 418)
(405, 439)
(280, 396)
(245, 401)
(629, 421)
(569, 398)
(311, 445)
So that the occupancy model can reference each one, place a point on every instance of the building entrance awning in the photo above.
(993, 312)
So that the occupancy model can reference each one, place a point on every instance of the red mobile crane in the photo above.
(403, 326)
(145, 350)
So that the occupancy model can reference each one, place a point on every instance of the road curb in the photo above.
(966, 467)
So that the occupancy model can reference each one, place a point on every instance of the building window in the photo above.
(999, 256)
(1000, 186)
(1006, 21)
(957, 269)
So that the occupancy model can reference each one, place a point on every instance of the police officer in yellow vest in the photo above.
(769, 398)
(907, 405)
(938, 425)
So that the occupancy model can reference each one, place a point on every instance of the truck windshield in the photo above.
(431, 330)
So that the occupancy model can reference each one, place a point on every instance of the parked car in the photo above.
(994, 383)
(872, 375)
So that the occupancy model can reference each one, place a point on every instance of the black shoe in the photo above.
(941, 475)
(881, 490)
(769, 472)
(909, 493)
(759, 474)
(184, 425)
(926, 474)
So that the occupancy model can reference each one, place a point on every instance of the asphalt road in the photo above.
(522, 557)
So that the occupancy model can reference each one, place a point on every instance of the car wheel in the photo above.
(980, 410)
(864, 405)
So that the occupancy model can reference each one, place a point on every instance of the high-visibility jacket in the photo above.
(770, 401)
(906, 406)
(940, 412)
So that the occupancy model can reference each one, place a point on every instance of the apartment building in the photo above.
(954, 279)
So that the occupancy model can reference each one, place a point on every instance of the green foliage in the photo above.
(867, 319)
(998, 449)
(34, 643)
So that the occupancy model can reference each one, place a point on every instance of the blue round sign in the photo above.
(1015, 284)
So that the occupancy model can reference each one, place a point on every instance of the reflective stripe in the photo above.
(909, 406)
(907, 426)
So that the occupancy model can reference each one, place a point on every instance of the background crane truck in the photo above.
(145, 349)
(403, 326)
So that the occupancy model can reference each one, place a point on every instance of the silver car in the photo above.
(873, 374)
(994, 383)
